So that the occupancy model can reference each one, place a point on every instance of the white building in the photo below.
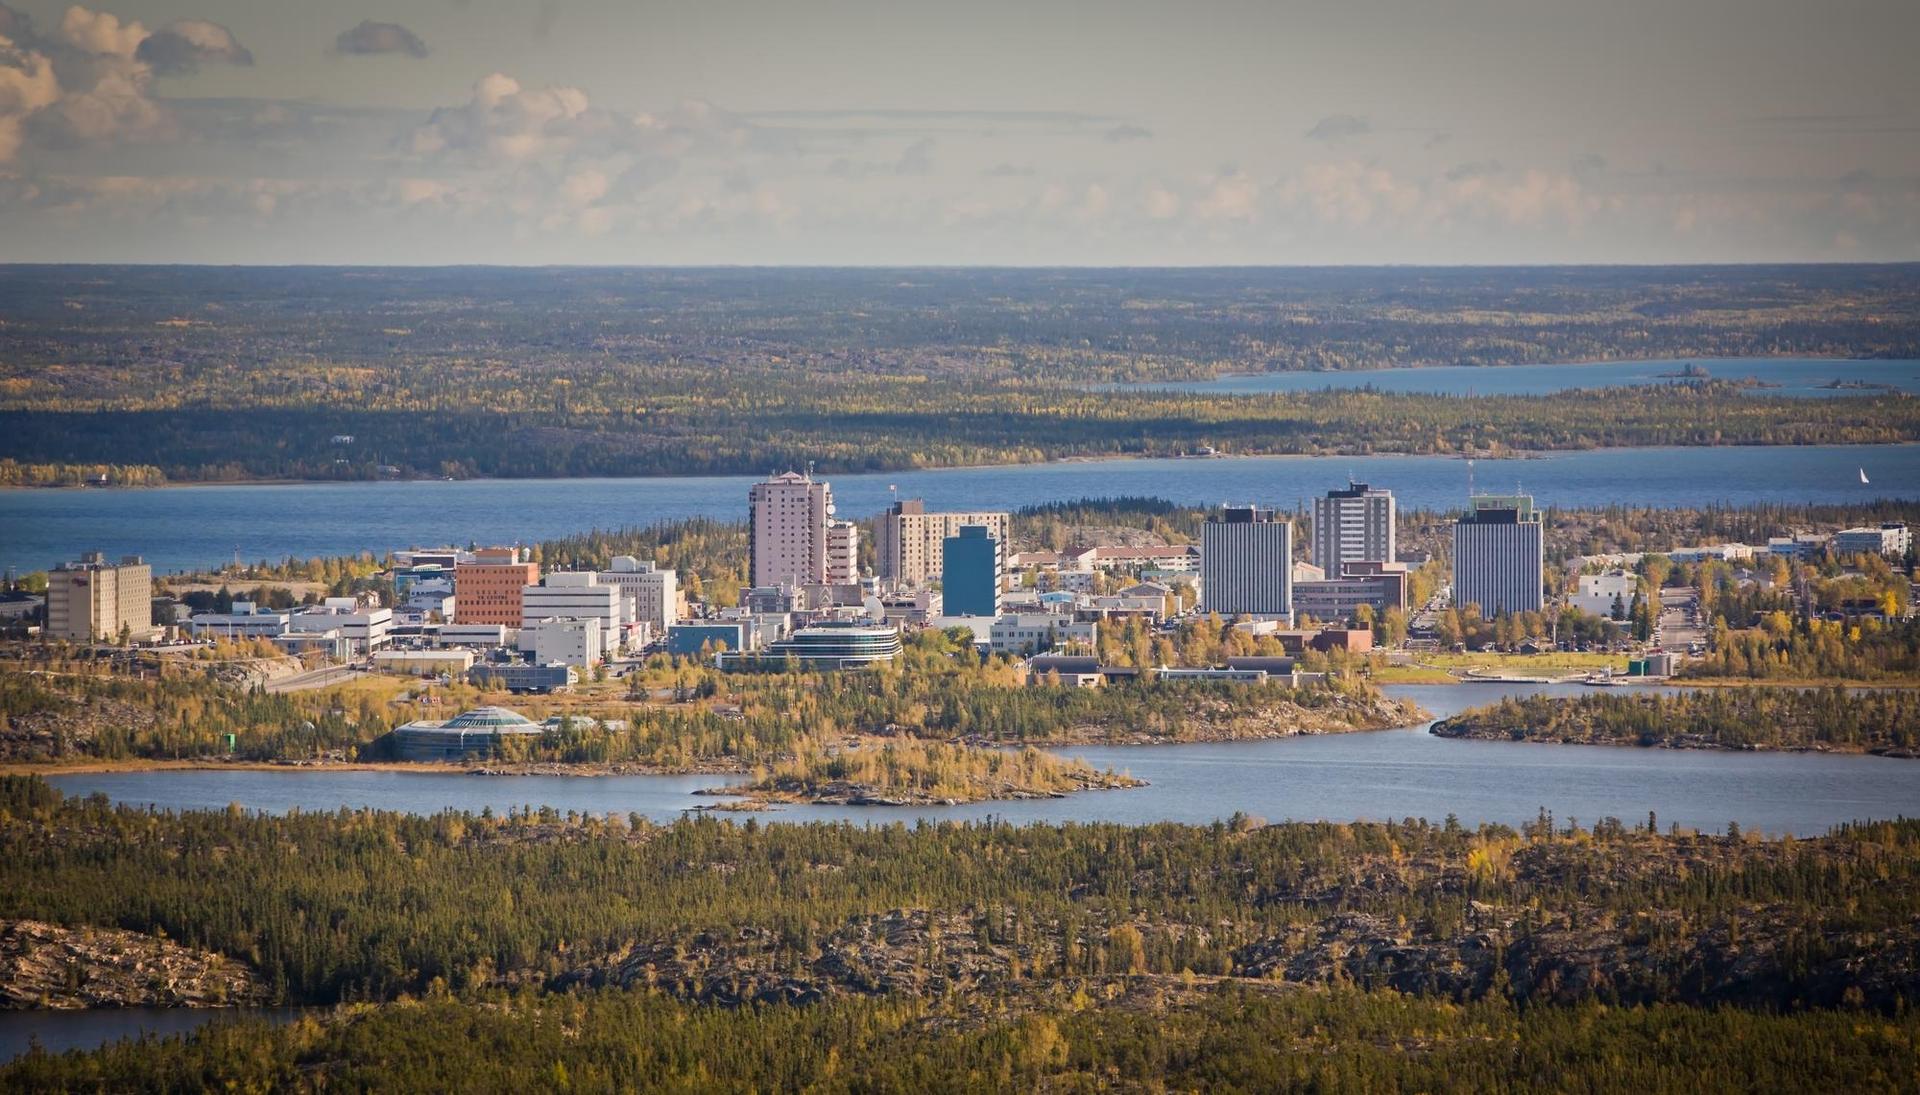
(789, 516)
(1246, 563)
(1499, 556)
(578, 595)
(1891, 539)
(1031, 634)
(473, 635)
(366, 629)
(843, 553)
(909, 544)
(655, 590)
(1355, 525)
(557, 640)
(245, 621)
(1600, 593)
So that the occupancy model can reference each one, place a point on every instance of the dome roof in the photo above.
(488, 718)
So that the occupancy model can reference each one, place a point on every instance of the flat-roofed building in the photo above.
(909, 542)
(788, 518)
(970, 573)
(655, 590)
(1246, 563)
(92, 600)
(487, 589)
(1499, 558)
(578, 595)
(245, 620)
(365, 627)
(1355, 525)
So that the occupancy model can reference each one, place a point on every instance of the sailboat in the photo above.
(1863, 475)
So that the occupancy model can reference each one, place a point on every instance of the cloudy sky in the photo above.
(989, 131)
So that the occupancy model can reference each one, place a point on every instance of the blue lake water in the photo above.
(1343, 777)
(1810, 377)
(184, 527)
(60, 1031)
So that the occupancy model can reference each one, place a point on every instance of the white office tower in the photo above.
(790, 514)
(843, 553)
(1246, 563)
(1352, 526)
(1499, 555)
(577, 596)
(655, 590)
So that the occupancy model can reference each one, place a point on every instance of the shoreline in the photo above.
(424, 767)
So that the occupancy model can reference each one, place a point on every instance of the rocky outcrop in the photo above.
(45, 966)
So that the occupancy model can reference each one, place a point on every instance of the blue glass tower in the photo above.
(970, 573)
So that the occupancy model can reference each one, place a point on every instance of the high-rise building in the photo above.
(843, 552)
(1499, 555)
(908, 541)
(970, 573)
(1246, 563)
(93, 600)
(1352, 526)
(486, 589)
(655, 590)
(790, 515)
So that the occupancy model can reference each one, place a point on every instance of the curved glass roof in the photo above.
(487, 718)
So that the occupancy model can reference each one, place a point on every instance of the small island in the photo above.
(1828, 720)
(909, 772)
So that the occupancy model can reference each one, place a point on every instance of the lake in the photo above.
(1341, 777)
(178, 528)
(60, 1031)
(1794, 376)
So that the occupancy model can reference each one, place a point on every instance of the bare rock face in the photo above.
(45, 966)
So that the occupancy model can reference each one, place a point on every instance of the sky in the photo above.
(1001, 132)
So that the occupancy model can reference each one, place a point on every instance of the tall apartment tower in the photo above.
(487, 589)
(1499, 555)
(790, 518)
(970, 573)
(909, 542)
(1352, 526)
(1246, 563)
(93, 600)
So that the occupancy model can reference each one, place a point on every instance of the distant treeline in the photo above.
(207, 375)
(1724, 718)
(876, 425)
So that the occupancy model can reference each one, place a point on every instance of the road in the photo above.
(1679, 626)
(314, 678)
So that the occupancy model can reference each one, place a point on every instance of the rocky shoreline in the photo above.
(44, 966)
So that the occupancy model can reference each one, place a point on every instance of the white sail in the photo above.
(1863, 475)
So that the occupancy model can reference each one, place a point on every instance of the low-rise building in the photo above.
(473, 635)
(696, 638)
(245, 620)
(365, 627)
(1609, 596)
(567, 640)
(1891, 539)
(424, 663)
(575, 595)
(1023, 633)
(469, 735)
(1379, 586)
(826, 646)
(523, 677)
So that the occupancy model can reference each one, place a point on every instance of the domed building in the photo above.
(468, 734)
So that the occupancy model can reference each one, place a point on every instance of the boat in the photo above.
(1863, 475)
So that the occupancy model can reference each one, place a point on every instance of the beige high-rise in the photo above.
(909, 543)
(93, 600)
